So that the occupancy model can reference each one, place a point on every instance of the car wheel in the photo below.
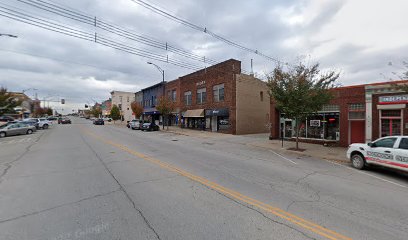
(358, 161)
(2, 134)
(45, 126)
(29, 131)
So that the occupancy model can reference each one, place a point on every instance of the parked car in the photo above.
(52, 118)
(391, 152)
(15, 129)
(132, 124)
(107, 119)
(42, 122)
(6, 119)
(31, 123)
(149, 127)
(65, 120)
(99, 121)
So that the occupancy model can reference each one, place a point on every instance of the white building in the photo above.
(123, 101)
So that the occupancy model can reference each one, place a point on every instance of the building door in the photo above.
(357, 132)
(214, 124)
(288, 132)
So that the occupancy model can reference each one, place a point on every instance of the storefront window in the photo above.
(223, 123)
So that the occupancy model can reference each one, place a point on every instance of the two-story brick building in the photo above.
(359, 113)
(221, 99)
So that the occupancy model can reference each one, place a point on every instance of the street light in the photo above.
(162, 72)
(8, 35)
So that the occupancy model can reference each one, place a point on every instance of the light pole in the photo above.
(162, 72)
(8, 35)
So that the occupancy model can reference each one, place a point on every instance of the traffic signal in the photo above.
(62, 101)
(86, 105)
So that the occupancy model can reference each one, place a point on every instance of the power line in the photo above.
(63, 29)
(201, 29)
(96, 22)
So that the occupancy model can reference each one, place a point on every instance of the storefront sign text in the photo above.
(393, 99)
(314, 123)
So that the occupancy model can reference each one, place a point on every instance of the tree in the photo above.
(96, 111)
(115, 113)
(300, 91)
(165, 106)
(137, 109)
(8, 101)
(48, 111)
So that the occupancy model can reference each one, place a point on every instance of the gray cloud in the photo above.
(256, 24)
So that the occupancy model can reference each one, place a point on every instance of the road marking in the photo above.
(315, 228)
(287, 159)
(371, 175)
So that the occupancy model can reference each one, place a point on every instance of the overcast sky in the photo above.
(359, 38)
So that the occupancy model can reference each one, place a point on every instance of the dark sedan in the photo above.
(149, 127)
(65, 121)
(99, 121)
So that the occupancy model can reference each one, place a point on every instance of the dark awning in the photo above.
(221, 112)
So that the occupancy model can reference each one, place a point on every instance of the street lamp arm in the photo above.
(158, 68)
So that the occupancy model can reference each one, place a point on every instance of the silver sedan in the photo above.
(15, 129)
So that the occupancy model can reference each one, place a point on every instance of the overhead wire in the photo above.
(202, 29)
(48, 25)
(96, 22)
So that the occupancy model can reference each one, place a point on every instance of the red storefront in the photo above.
(359, 113)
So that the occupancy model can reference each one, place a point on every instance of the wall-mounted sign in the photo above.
(397, 99)
(314, 123)
(200, 83)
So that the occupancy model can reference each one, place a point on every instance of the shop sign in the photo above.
(314, 123)
(393, 99)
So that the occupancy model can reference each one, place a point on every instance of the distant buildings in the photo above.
(123, 101)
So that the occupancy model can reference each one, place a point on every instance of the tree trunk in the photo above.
(297, 134)
(167, 123)
(163, 121)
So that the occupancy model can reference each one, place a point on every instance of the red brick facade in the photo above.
(344, 97)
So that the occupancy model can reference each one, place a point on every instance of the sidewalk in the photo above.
(336, 154)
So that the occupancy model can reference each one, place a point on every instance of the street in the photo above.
(81, 181)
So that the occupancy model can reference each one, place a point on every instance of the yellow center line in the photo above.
(313, 227)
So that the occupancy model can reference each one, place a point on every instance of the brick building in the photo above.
(359, 113)
(220, 99)
(123, 101)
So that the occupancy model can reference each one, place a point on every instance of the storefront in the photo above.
(194, 119)
(217, 119)
(323, 126)
(357, 114)
(152, 116)
(391, 114)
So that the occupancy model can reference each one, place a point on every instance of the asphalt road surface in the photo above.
(82, 181)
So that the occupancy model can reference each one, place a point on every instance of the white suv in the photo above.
(390, 152)
(42, 122)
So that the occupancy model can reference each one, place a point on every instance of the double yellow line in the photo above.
(317, 229)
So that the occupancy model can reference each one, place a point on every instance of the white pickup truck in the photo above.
(389, 152)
